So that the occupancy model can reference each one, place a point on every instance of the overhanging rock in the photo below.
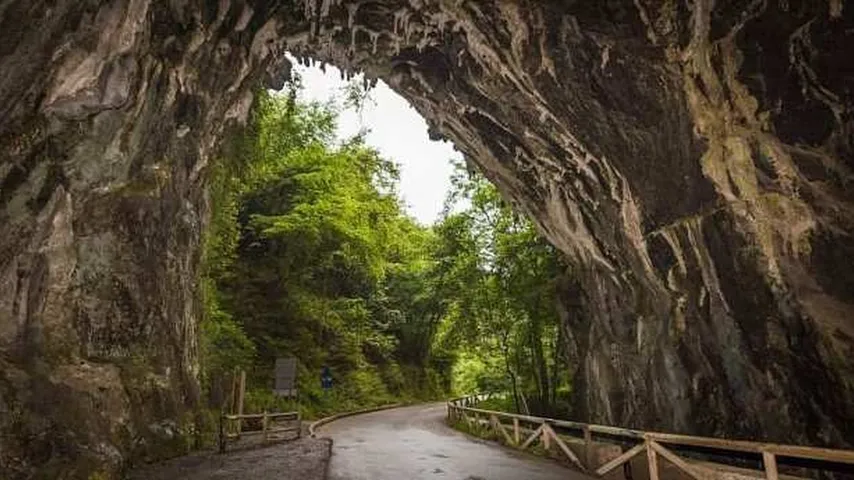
(692, 160)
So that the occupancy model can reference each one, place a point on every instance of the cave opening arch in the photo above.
(661, 149)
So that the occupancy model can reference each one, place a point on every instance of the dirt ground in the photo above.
(303, 459)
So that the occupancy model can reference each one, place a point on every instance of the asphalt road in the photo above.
(414, 443)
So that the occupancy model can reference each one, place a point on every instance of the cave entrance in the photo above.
(325, 247)
(387, 122)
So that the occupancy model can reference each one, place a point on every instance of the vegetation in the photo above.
(310, 254)
(500, 284)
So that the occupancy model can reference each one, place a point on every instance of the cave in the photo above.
(692, 160)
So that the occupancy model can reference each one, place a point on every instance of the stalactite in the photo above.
(691, 161)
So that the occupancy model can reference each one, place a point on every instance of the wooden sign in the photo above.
(286, 377)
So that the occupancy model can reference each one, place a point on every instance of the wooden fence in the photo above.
(231, 427)
(522, 431)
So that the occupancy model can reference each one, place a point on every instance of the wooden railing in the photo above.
(231, 426)
(522, 431)
(471, 400)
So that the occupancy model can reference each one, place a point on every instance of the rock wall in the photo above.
(692, 159)
(110, 112)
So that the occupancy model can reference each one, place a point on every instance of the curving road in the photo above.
(414, 443)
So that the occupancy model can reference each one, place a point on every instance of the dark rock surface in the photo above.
(692, 159)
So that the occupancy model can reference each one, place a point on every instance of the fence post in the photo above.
(516, 431)
(265, 424)
(588, 447)
(221, 432)
(770, 462)
(241, 393)
(652, 459)
(546, 439)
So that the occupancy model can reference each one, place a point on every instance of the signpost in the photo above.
(286, 377)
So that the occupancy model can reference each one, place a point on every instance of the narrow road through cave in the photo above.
(414, 443)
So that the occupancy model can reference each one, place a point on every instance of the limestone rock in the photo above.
(692, 160)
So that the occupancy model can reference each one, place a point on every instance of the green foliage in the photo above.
(309, 254)
(499, 403)
(224, 343)
(498, 278)
(474, 372)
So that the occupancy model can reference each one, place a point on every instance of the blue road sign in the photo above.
(326, 378)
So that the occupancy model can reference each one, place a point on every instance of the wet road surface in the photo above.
(414, 443)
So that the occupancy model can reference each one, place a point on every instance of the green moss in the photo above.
(99, 475)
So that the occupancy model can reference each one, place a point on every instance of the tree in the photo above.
(315, 258)
(310, 254)
(499, 279)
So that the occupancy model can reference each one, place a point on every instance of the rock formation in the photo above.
(693, 160)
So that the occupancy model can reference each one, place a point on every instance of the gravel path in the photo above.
(303, 459)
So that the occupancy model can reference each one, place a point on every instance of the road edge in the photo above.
(323, 421)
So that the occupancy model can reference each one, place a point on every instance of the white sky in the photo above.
(398, 132)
